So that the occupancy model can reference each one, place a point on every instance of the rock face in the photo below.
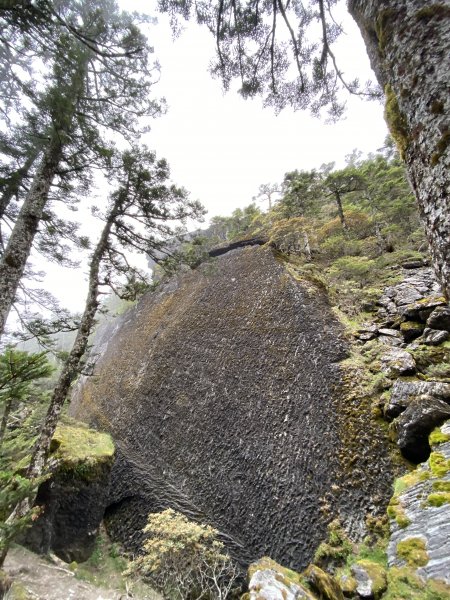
(224, 394)
(73, 500)
(421, 539)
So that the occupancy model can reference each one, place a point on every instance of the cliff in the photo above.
(229, 393)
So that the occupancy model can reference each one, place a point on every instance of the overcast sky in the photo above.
(221, 147)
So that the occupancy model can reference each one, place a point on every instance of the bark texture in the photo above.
(408, 42)
(72, 366)
(14, 259)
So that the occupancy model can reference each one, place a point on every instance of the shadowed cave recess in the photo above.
(226, 396)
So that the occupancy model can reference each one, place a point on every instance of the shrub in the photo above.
(183, 559)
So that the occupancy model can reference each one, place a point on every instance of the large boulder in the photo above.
(74, 498)
(228, 400)
(415, 424)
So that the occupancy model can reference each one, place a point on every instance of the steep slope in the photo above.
(225, 396)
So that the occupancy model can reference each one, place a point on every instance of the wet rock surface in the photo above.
(223, 392)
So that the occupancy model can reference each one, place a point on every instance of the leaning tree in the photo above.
(97, 86)
(283, 50)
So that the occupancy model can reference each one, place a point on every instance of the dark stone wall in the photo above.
(72, 511)
(221, 391)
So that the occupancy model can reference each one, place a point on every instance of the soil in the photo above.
(48, 578)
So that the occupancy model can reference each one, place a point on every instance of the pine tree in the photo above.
(98, 85)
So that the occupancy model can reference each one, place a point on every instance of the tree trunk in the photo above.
(408, 42)
(6, 411)
(13, 186)
(337, 197)
(12, 264)
(72, 365)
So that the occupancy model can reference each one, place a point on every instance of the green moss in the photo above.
(435, 10)
(377, 574)
(438, 437)
(433, 361)
(336, 548)
(441, 486)
(347, 583)
(414, 477)
(375, 553)
(396, 511)
(383, 28)
(438, 498)
(404, 584)
(439, 465)
(413, 552)
(82, 451)
(396, 120)
(324, 584)
(286, 575)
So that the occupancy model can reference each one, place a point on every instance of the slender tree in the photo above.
(342, 182)
(100, 84)
(275, 50)
(139, 218)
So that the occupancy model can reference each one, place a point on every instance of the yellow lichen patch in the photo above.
(413, 552)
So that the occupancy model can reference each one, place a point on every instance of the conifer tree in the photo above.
(140, 216)
(99, 85)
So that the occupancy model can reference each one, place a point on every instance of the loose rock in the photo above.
(404, 392)
(415, 424)
(440, 318)
(397, 362)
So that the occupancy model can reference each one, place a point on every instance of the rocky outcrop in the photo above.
(226, 397)
(74, 498)
(420, 515)
(270, 581)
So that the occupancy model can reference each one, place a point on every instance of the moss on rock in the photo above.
(413, 551)
(437, 437)
(438, 498)
(396, 120)
(325, 585)
(404, 584)
(288, 576)
(396, 511)
(439, 465)
(80, 450)
(376, 574)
